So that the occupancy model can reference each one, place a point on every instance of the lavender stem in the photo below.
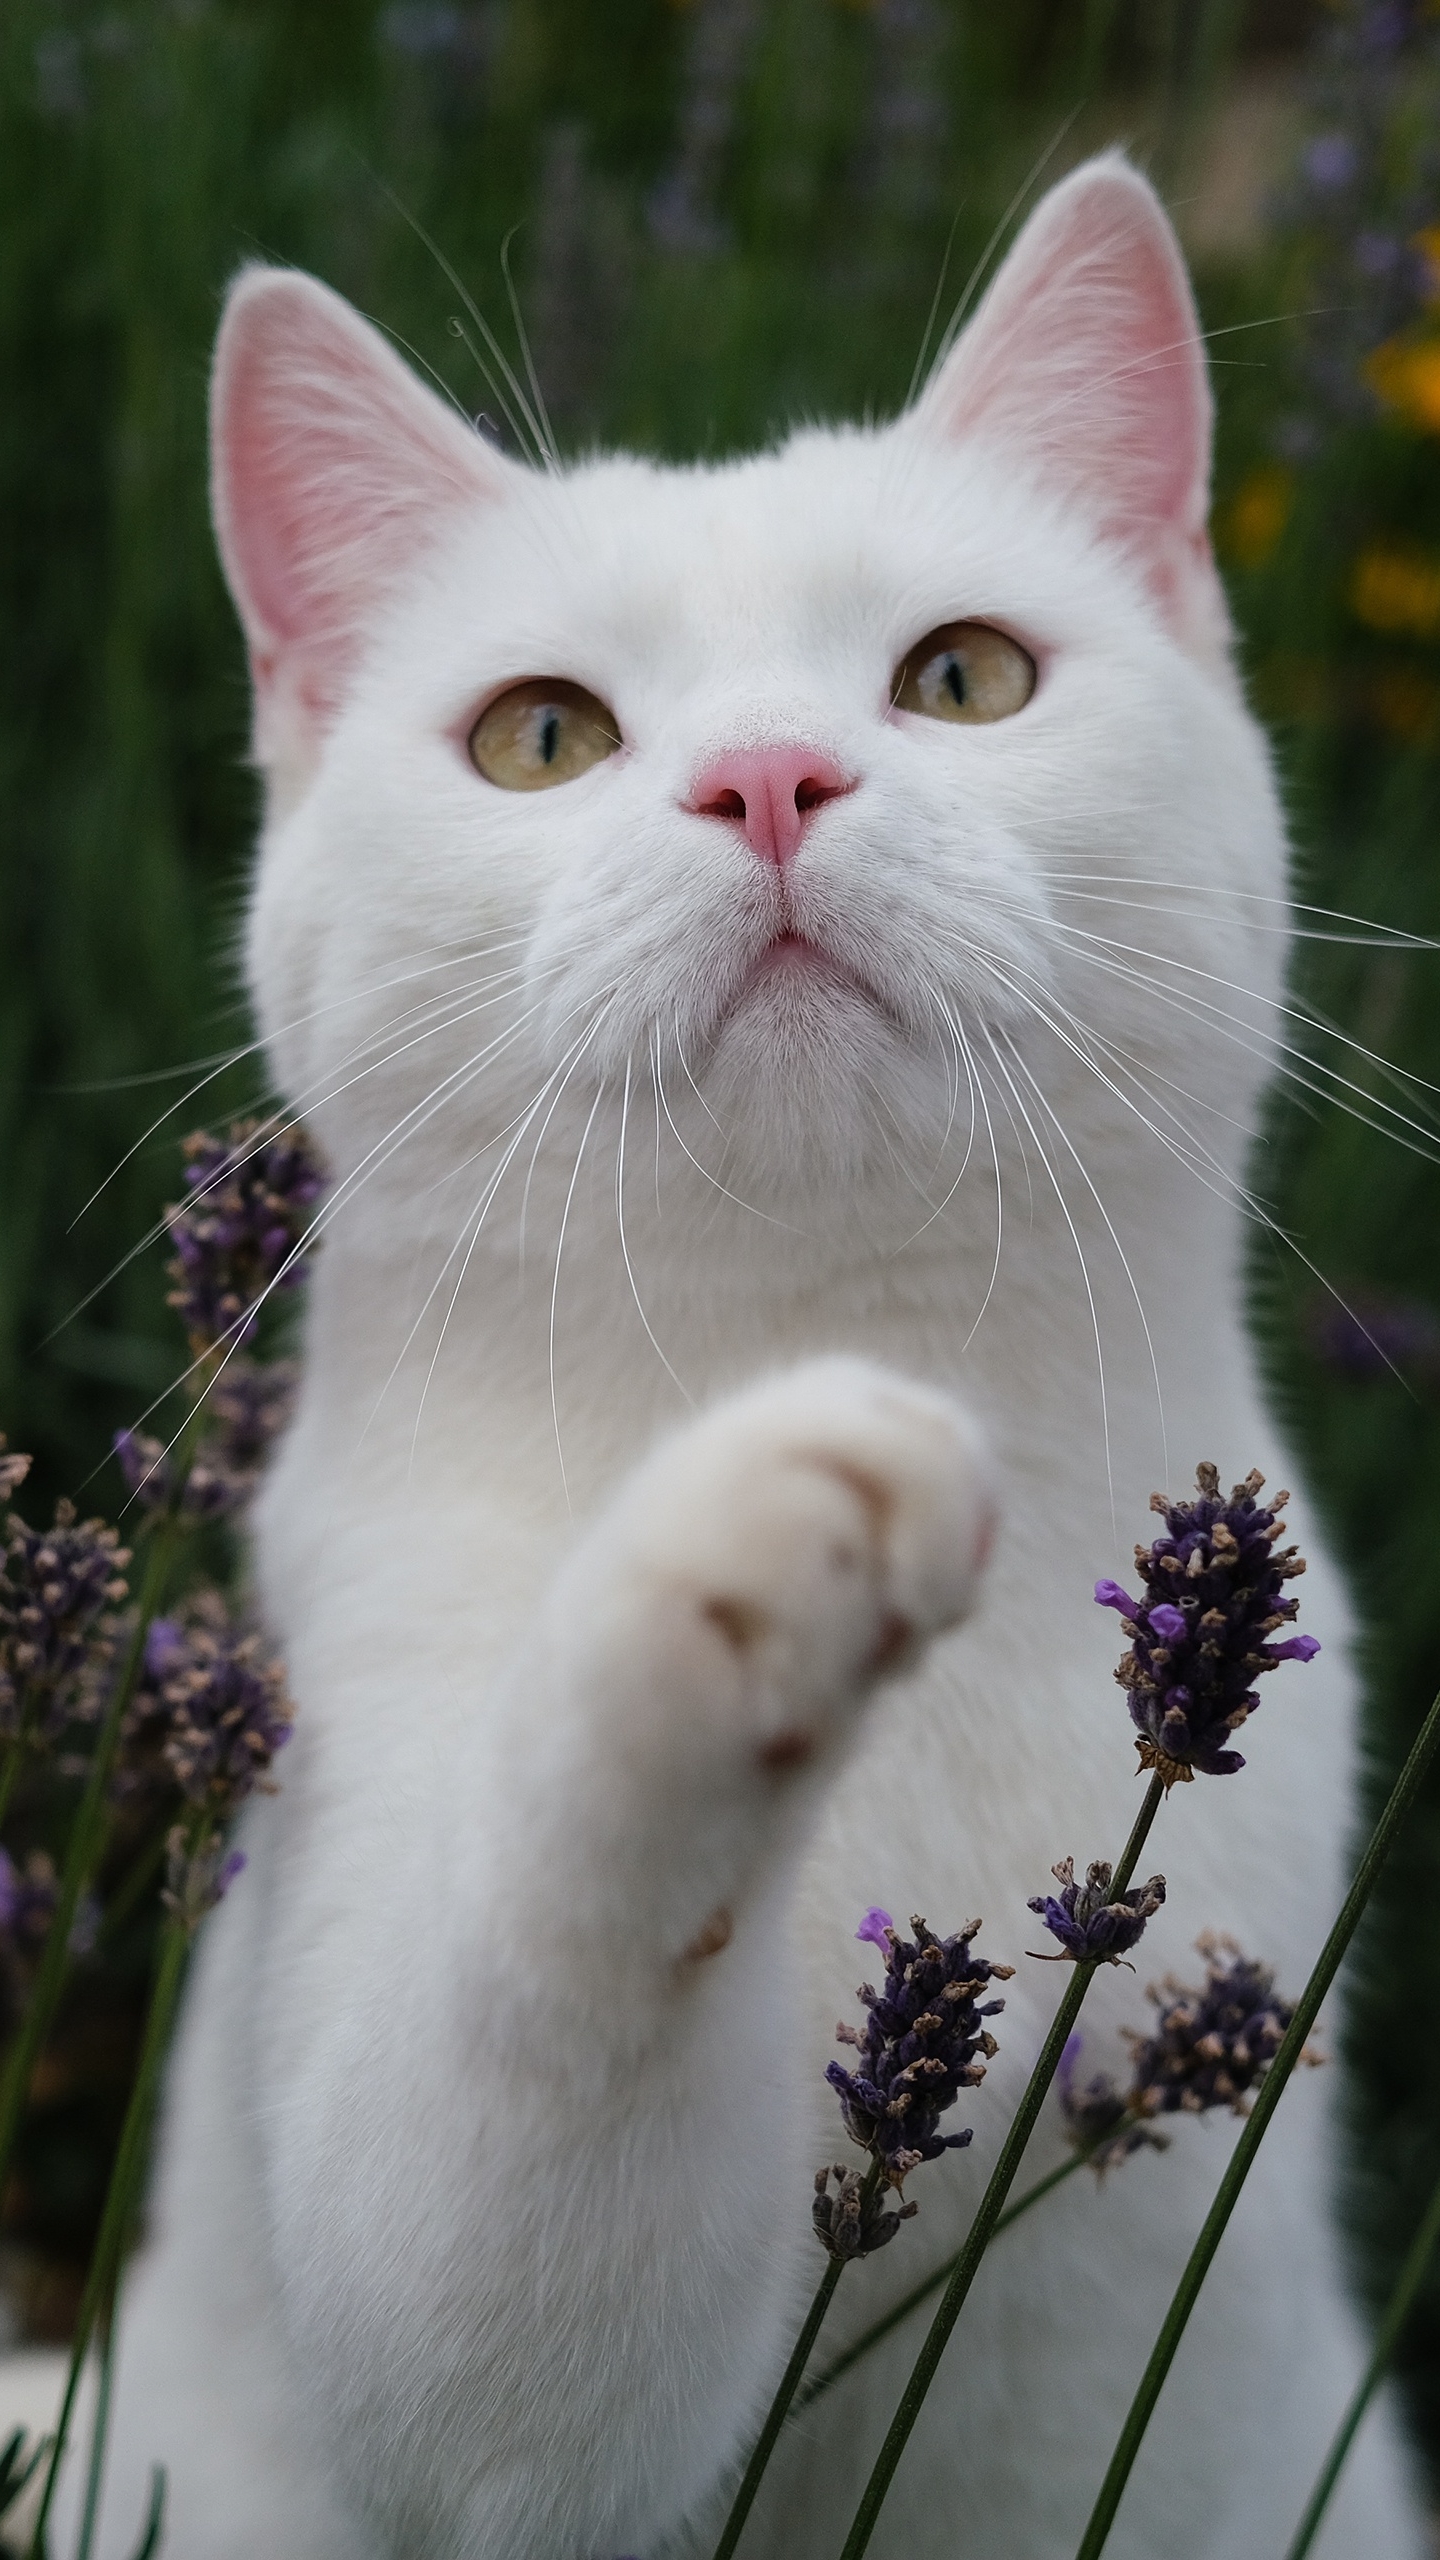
(1271, 2090)
(982, 2229)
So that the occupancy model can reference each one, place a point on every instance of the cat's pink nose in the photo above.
(771, 792)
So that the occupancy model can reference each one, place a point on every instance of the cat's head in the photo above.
(805, 788)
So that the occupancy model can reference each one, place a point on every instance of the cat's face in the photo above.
(804, 792)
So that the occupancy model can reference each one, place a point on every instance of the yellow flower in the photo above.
(1406, 374)
(1394, 590)
(1256, 516)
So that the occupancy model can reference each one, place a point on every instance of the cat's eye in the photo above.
(964, 671)
(540, 733)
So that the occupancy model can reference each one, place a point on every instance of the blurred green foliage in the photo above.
(725, 214)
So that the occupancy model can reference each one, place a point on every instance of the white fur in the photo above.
(482, 2222)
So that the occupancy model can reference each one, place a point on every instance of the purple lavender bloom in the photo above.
(197, 1874)
(1211, 2047)
(851, 2224)
(241, 1231)
(1331, 161)
(1090, 1927)
(1099, 2117)
(28, 1895)
(210, 1710)
(58, 1587)
(1212, 1598)
(919, 2048)
(876, 1926)
(248, 1404)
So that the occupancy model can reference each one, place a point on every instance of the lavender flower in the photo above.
(1090, 1927)
(1100, 2118)
(1211, 2047)
(919, 2046)
(1198, 1637)
(57, 1587)
(210, 1706)
(28, 1895)
(249, 1404)
(851, 2224)
(239, 1233)
(13, 1470)
(198, 1872)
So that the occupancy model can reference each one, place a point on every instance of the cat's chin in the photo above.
(805, 1071)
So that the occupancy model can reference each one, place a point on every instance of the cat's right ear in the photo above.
(332, 471)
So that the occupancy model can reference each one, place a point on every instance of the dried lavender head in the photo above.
(58, 1587)
(1211, 2047)
(239, 1233)
(919, 2048)
(1090, 1927)
(247, 1406)
(851, 2224)
(198, 1873)
(28, 1896)
(210, 1706)
(1212, 1586)
(1099, 2118)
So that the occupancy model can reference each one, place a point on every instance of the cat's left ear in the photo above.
(1084, 367)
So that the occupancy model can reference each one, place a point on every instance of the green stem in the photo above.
(788, 2384)
(1237, 2170)
(81, 1853)
(121, 2198)
(10, 1774)
(99, 2429)
(921, 2292)
(982, 2229)
(140, 1875)
(1397, 2310)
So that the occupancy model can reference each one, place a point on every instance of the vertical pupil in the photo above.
(549, 735)
(955, 679)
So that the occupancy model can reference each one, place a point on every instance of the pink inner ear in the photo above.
(1084, 364)
(333, 470)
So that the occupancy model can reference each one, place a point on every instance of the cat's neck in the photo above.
(550, 1386)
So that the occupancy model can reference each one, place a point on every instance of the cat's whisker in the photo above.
(1080, 1038)
(624, 1247)
(518, 1124)
(555, 1284)
(1308, 1020)
(977, 1088)
(1065, 1212)
(373, 1162)
(307, 1098)
(236, 1057)
(1226, 1187)
(478, 1215)
(1281, 1057)
(940, 1208)
(703, 1169)
(1046, 1106)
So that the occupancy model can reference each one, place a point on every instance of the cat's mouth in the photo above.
(791, 961)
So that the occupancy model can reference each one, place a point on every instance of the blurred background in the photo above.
(721, 215)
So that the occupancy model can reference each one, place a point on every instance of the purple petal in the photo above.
(1294, 1649)
(1167, 1623)
(1110, 1596)
(874, 1926)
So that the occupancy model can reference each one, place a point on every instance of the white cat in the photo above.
(795, 1006)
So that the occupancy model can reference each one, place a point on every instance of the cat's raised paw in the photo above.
(800, 1542)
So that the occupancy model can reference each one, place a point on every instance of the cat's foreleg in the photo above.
(617, 2131)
